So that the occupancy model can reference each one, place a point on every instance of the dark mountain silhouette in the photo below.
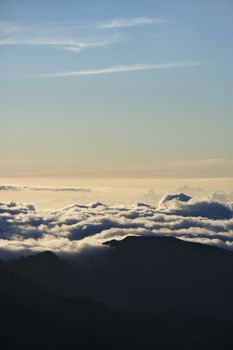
(146, 293)
(163, 274)
(144, 275)
(31, 317)
(48, 270)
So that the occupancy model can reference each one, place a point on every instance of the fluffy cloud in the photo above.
(185, 205)
(24, 229)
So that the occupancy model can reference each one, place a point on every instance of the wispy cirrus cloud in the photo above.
(69, 37)
(73, 37)
(130, 22)
(7, 28)
(119, 69)
(67, 44)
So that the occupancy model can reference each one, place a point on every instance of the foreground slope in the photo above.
(33, 317)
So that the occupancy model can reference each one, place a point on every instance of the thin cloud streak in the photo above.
(67, 44)
(40, 188)
(119, 69)
(130, 22)
(65, 37)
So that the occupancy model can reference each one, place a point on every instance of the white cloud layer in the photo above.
(73, 229)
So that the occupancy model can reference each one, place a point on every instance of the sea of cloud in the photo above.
(24, 229)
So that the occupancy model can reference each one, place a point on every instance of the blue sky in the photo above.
(116, 85)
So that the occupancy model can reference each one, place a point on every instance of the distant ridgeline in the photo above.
(143, 291)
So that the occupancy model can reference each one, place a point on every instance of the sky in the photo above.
(133, 89)
(115, 119)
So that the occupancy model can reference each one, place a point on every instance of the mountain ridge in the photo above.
(110, 299)
(142, 274)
